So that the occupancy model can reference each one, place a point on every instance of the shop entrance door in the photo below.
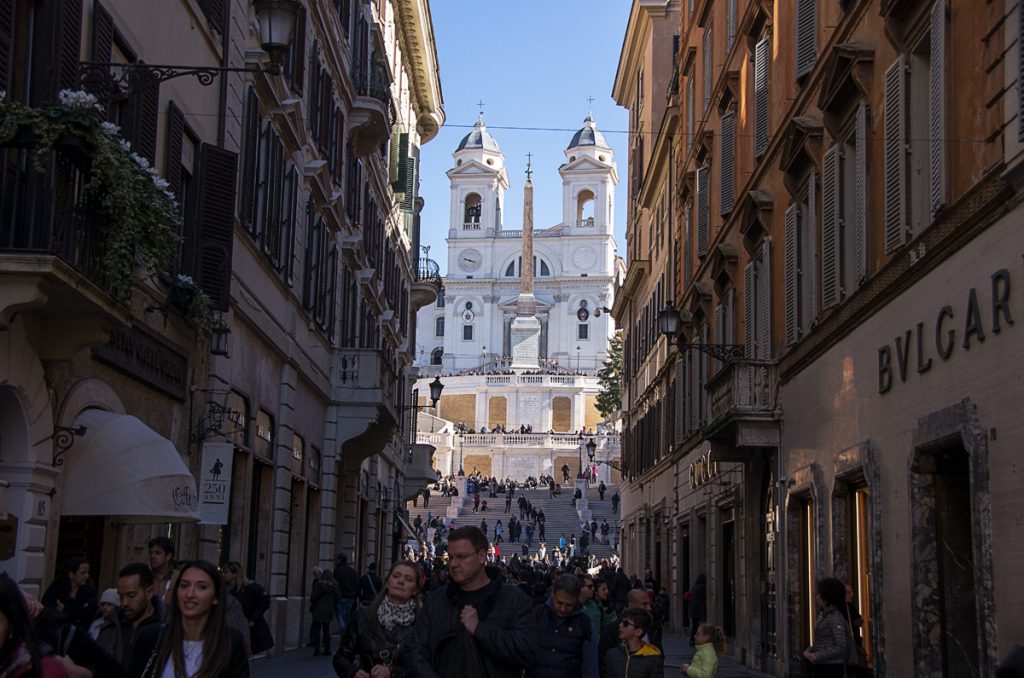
(951, 533)
(769, 635)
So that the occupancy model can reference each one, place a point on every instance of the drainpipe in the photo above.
(781, 581)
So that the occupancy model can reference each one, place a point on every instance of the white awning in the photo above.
(123, 468)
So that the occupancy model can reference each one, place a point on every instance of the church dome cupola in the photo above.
(479, 138)
(588, 135)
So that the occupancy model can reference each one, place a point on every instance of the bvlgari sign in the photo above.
(147, 357)
(951, 328)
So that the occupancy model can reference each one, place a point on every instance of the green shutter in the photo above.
(402, 180)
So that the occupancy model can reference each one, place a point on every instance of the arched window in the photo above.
(473, 210)
(540, 267)
(435, 356)
(585, 209)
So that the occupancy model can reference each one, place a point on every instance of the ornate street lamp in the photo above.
(670, 322)
(435, 390)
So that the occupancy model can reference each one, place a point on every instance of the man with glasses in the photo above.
(588, 598)
(476, 625)
(635, 600)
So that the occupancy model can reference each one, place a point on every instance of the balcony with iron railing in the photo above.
(52, 249)
(428, 283)
(606, 443)
(373, 109)
(743, 401)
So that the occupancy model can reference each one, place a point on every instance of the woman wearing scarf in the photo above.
(379, 635)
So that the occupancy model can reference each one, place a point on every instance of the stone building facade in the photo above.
(849, 186)
(300, 221)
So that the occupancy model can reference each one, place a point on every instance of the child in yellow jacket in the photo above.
(710, 642)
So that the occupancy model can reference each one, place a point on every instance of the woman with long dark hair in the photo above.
(71, 594)
(19, 654)
(196, 641)
(375, 643)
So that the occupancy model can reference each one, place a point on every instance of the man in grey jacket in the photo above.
(477, 625)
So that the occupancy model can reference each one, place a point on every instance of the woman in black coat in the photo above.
(380, 633)
(72, 595)
(255, 603)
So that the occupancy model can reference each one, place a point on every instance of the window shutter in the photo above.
(409, 195)
(250, 150)
(703, 360)
(403, 163)
(291, 204)
(728, 333)
(764, 303)
(339, 147)
(146, 104)
(860, 200)
(690, 113)
(830, 227)
(730, 20)
(102, 44)
(275, 208)
(332, 139)
(331, 290)
(726, 166)
(215, 13)
(761, 97)
(313, 95)
(172, 154)
(708, 58)
(326, 108)
(393, 144)
(792, 261)
(703, 211)
(806, 36)
(216, 223)
(748, 310)
(1020, 76)
(71, 48)
(299, 63)
(694, 380)
(680, 403)
(810, 246)
(937, 105)
(718, 335)
(6, 43)
(895, 130)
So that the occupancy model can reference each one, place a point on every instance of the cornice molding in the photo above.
(416, 36)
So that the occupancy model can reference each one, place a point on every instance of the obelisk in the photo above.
(525, 329)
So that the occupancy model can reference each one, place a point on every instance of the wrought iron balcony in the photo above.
(743, 399)
(51, 251)
(428, 283)
(373, 110)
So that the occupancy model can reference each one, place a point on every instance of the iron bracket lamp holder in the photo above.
(116, 81)
(722, 352)
(63, 438)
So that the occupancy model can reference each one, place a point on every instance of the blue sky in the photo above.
(533, 64)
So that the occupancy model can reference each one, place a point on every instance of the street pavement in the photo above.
(302, 664)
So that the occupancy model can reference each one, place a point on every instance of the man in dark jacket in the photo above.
(568, 643)
(119, 630)
(348, 587)
(477, 625)
(370, 585)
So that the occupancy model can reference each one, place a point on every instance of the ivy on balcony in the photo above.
(138, 217)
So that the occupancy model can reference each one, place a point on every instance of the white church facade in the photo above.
(519, 346)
